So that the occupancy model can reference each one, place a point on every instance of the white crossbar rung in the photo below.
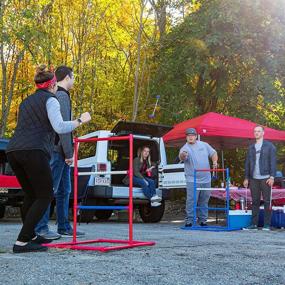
(102, 172)
(211, 189)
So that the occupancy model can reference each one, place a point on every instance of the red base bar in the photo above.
(211, 170)
(80, 245)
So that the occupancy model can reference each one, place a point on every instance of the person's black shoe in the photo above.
(41, 240)
(202, 224)
(29, 247)
(69, 233)
(49, 235)
(188, 225)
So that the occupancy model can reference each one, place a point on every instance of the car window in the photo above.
(87, 149)
(113, 155)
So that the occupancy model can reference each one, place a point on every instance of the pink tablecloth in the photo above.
(236, 194)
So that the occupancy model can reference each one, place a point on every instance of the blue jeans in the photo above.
(62, 188)
(148, 190)
(202, 199)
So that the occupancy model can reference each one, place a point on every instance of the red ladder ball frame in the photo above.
(119, 244)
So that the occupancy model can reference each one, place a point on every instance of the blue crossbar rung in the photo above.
(103, 207)
(212, 227)
(212, 208)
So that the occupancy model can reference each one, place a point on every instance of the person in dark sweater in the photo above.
(62, 158)
(142, 176)
(29, 152)
(260, 170)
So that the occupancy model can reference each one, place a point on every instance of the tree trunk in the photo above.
(9, 92)
(160, 15)
(139, 44)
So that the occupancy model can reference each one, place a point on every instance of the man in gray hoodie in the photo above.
(60, 164)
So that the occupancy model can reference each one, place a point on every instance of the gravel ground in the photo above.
(179, 257)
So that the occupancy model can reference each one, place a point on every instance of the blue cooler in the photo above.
(239, 219)
(277, 217)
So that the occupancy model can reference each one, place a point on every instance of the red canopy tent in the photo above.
(222, 132)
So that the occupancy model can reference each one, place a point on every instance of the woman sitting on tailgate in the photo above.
(142, 176)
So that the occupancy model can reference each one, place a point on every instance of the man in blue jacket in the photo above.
(260, 170)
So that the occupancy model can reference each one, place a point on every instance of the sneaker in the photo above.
(203, 224)
(266, 228)
(188, 225)
(251, 227)
(69, 233)
(50, 235)
(41, 240)
(155, 198)
(29, 247)
(155, 204)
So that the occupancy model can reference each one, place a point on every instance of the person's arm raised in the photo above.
(55, 118)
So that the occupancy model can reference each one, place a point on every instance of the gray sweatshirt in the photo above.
(60, 120)
(55, 118)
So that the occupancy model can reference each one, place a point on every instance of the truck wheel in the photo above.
(2, 211)
(86, 216)
(103, 215)
(151, 214)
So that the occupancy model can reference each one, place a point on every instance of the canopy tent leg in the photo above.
(223, 165)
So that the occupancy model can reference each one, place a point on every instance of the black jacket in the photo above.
(267, 161)
(137, 167)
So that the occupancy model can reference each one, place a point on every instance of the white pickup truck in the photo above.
(106, 156)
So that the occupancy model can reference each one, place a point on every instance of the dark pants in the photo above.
(33, 172)
(258, 186)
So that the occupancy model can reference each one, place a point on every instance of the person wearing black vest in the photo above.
(62, 158)
(29, 152)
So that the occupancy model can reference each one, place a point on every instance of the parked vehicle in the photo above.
(8, 197)
(107, 156)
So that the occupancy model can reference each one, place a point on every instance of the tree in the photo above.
(222, 58)
(139, 46)
(20, 29)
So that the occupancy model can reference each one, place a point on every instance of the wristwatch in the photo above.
(79, 121)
